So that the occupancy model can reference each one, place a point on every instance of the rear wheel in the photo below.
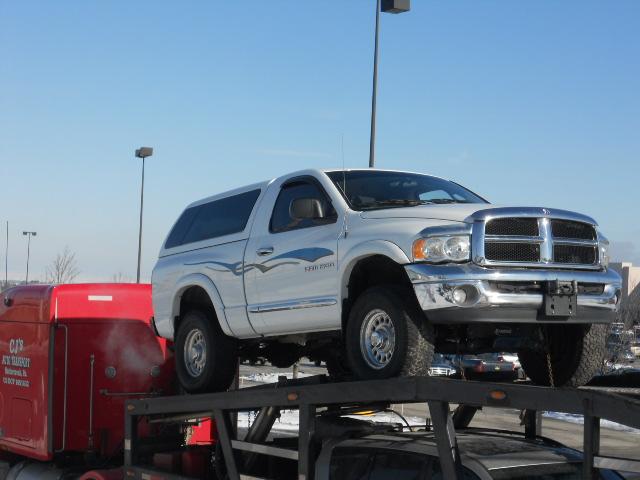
(205, 357)
(387, 335)
(576, 353)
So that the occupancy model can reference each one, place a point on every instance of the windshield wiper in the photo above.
(446, 200)
(407, 202)
(394, 202)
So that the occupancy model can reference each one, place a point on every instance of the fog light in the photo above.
(459, 296)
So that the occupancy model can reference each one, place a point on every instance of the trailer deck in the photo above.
(313, 395)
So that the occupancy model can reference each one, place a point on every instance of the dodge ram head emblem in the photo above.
(546, 212)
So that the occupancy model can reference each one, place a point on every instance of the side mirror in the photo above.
(306, 208)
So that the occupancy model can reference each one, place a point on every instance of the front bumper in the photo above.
(434, 286)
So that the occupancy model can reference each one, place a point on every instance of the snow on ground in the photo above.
(289, 419)
(270, 377)
(573, 418)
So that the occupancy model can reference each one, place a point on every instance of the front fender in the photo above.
(364, 250)
(204, 282)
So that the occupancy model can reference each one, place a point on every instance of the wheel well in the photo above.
(194, 298)
(370, 272)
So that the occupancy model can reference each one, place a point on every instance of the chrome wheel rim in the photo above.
(195, 353)
(377, 339)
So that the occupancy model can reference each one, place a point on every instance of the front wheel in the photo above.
(576, 353)
(206, 358)
(387, 335)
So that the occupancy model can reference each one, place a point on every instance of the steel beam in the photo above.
(223, 424)
(445, 435)
(532, 423)
(306, 431)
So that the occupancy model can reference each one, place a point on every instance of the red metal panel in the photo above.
(24, 352)
(80, 351)
(109, 338)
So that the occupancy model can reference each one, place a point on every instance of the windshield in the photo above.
(374, 189)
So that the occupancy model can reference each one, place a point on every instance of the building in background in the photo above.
(630, 278)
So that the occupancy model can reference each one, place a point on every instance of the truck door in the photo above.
(291, 260)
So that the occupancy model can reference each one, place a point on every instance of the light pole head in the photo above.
(395, 6)
(144, 152)
(30, 233)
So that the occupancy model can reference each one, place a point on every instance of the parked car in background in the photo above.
(486, 366)
(620, 347)
(442, 367)
(635, 345)
(513, 358)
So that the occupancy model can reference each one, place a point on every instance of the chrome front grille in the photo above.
(532, 241)
(513, 226)
(571, 229)
(512, 252)
(575, 254)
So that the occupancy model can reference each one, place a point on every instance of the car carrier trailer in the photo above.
(313, 397)
(80, 401)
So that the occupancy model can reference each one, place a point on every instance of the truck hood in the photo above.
(464, 212)
(457, 212)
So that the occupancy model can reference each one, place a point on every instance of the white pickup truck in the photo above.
(372, 271)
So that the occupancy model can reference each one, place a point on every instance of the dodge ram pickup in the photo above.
(373, 271)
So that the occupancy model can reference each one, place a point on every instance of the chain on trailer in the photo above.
(547, 348)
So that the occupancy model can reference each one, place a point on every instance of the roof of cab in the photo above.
(77, 302)
(299, 173)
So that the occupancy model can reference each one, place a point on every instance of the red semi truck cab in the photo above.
(71, 355)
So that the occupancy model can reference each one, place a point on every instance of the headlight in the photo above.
(603, 244)
(442, 249)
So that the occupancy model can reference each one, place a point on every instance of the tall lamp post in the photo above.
(142, 152)
(29, 235)
(387, 6)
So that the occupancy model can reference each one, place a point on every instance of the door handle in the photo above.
(263, 252)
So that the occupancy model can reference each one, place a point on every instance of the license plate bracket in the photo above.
(561, 299)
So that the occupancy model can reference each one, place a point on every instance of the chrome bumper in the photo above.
(434, 286)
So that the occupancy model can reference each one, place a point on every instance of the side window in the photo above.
(214, 219)
(282, 219)
(179, 230)
(350, 464)
(394, 465)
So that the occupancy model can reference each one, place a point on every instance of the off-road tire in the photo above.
(414, 344)
(577, 352)
(221, 355)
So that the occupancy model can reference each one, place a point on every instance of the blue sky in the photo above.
(528, 103)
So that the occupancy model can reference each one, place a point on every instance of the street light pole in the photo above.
(374, 93)
(388, 6)
(29, 235)
(142, 152)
